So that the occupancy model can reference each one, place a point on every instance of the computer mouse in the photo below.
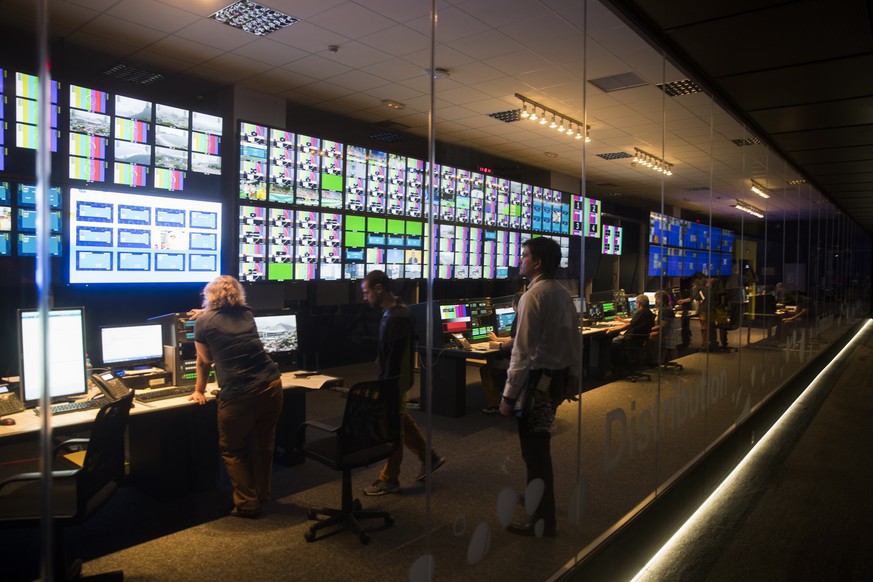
(214, 392)
(7, 421)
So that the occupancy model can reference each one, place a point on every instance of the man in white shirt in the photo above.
(545, 359)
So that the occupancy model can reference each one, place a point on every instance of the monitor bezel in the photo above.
(31, 400)
(128, 363)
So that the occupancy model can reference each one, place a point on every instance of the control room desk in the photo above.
(449, 396)
(173, 443)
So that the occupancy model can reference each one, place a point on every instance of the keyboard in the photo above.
(162, 393)
(65, 407)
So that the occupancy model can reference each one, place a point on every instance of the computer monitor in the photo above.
(651, 296)
(128, 346)
(608, 310)
(504, 318)
(632, 303)
(455, 317)
(65, 358)
(278, 333)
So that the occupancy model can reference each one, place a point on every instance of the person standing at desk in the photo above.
(544, 362)
(250, 400)
(396, 358)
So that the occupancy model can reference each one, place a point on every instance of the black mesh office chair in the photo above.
(370, 432)
(76, 493)
(736, 311)
(637, 355)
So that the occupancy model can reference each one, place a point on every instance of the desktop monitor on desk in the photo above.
(455, 317)
(504, 317)
(609, 311)
(132, 346)
(65, 341)
(278, 333)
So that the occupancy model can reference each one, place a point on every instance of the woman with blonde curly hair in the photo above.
(250, 399)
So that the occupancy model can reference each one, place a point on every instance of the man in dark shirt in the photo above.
(635, 331)
(396, 359)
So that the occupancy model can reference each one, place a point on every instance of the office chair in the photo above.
(736, 309)
(637, 355)
(76, 493)
(370, 432)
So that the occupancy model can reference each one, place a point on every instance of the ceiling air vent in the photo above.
(746, 141)
(615, 155)
(678, 88)
(618, 82)
(133, 75)
(697, 189)
(387, 137)
(796, 182)
(507, 116)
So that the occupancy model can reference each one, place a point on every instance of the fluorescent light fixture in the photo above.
(253, 18)
(760, 190)
(560, 122)
(748, 208)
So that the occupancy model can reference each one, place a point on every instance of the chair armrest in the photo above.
(70, 443)
(35, 476)
(301, 430)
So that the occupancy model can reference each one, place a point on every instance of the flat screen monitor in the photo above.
(278, 333)
(651, 296)
(131, 238)
(632, 304)
(65, 359)
(503, 317)
(455, 317)
(608, 310)
(126, 346)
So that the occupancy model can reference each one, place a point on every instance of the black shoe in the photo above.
(528, 528)
(246, 513)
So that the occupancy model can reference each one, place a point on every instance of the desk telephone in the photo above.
(460, 341)
(111, 385)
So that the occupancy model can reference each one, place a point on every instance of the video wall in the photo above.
(681, 248)
(316, 209)
(150, 204)
(101, 138)
(18, 220)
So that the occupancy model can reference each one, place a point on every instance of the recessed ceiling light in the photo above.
(393, 104)
(253, 18)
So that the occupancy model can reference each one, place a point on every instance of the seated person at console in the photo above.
(493, 374)
(636, 331)
(667, 332)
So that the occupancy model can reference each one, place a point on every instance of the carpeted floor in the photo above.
(607, 467)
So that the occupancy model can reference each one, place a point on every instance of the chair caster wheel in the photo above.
(311, 514)
(389, 521)
(357, 504)
(309, 536)
(365, 539)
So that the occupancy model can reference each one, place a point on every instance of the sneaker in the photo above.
(490, 410)
(380, 487)
(435, 463)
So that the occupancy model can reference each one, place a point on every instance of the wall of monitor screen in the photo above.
(681, 248)
(309, 208)
(137, 197)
